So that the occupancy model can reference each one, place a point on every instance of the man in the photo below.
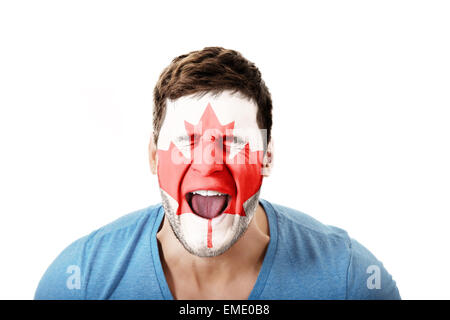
(212, 237)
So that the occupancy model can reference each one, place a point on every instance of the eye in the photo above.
(187, 141)
(233, 142)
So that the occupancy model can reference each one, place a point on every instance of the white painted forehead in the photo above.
(227, 106)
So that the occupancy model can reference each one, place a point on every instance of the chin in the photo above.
(194, 232)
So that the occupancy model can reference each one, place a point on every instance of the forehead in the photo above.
(227, 106)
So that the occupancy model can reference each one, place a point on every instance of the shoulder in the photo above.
(66, 277)
(367, 277)
(312, 249)
(128, 224)
(118, 232)
(329, 250)
(304, 233)
(288, 217)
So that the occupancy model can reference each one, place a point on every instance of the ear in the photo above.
(268, 159)
(152, 154)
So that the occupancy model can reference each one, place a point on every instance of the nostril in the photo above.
(206, 169)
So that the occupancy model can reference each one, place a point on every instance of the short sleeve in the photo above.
(64, 278)
(367, 279)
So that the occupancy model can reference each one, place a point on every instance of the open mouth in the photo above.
(207, 204)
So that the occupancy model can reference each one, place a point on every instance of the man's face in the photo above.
(210, 153)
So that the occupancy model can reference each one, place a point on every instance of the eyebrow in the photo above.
(187, 138)
(183, 138)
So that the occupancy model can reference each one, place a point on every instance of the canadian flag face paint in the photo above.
(210, 153)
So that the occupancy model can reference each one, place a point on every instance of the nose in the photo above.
(207, 156)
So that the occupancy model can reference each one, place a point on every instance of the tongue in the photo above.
(208, 207)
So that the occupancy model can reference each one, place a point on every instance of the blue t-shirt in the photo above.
(305, 259)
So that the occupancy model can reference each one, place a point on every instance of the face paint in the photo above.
(210, 152)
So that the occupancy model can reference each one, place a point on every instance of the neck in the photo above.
(249, 250)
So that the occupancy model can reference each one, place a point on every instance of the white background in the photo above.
(361, 95)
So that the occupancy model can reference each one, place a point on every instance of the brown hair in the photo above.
(213, 69)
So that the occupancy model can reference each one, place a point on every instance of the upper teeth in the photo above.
(208, 193)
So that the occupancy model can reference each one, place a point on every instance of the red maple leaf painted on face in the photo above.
(210, 166)
(207, 149)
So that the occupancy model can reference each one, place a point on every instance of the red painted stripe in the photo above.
(209, 239)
